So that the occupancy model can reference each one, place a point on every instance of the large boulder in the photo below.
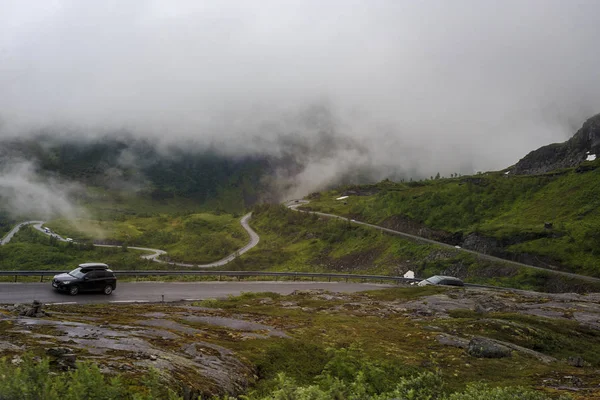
(486, 348)
(64, 358)
(35, 310)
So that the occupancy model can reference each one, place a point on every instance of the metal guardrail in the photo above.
(323, 276)
(235, 274)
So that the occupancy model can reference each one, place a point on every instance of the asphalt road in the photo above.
(14, 230)
(129, 292)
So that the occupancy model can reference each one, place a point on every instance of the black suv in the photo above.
(88, 277)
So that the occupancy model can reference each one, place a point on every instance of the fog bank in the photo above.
(404, 88)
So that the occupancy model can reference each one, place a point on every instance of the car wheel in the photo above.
(73, 290)
(108, 289)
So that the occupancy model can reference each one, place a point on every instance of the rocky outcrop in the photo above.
(34, 310)
(563, 155)
(476, 346)
(481, 244)
(577, 362)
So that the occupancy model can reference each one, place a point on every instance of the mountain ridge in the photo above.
(567, 154)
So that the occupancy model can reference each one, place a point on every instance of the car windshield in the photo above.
(77, 273)
(435, 279)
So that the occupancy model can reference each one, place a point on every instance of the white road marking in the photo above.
(61, 304)
(130, 301)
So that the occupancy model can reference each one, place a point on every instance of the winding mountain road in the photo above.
(294, 204)
(297, 203)
(7, 238)
(154, 253)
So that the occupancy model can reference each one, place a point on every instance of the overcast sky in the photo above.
(425, 86)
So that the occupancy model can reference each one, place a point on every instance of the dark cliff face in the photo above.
(563, 155)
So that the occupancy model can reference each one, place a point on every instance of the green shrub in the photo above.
(33, 379)
(349, 375)
(484, 392)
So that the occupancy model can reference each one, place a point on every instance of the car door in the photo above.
(90, 281)
(101, 279)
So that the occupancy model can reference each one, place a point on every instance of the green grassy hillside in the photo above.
(511, 211)
(290, 241)
(194, 238)
(31, 250)
(294, 241)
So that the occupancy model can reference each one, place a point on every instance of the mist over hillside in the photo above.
(43, 174)
(403, 88)
(304, 94)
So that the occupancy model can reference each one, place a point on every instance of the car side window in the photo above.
(91, 275)
(100, 274)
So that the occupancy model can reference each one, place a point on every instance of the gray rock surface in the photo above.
(480, 243)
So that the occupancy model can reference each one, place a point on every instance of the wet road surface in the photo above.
(11, 293)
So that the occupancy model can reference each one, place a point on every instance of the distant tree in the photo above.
(437, 176)
(53, 241)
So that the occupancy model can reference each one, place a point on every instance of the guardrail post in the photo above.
(41, 278)
(15, 278)
(329, 278)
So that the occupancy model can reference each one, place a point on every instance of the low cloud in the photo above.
(403, 88)
(25, 193)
